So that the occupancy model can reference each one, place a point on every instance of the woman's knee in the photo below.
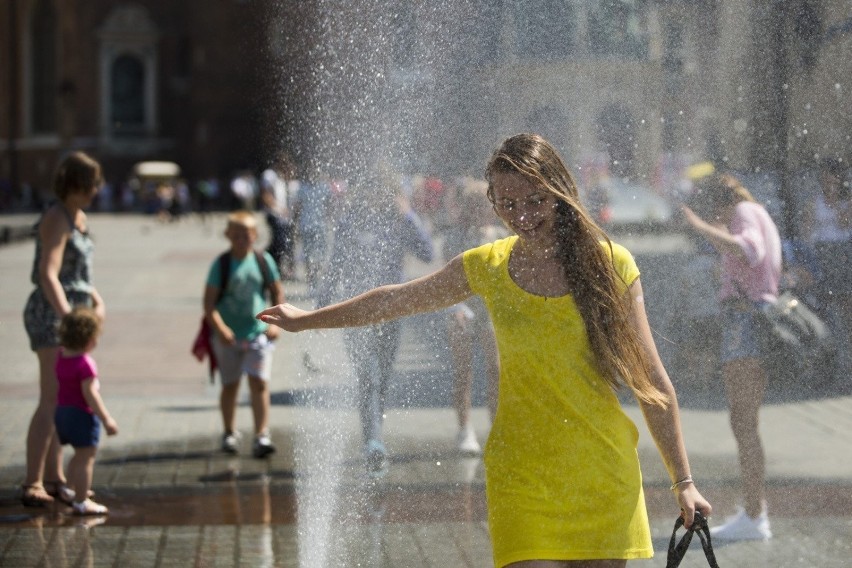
(746, 427)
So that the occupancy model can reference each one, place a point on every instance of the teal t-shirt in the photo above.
(244, 295)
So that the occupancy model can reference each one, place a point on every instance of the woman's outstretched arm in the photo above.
(440, 289)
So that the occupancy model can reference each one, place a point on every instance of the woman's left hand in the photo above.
(98, 306)
(691, 500)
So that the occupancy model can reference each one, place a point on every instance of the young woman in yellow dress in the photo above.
(562, 472)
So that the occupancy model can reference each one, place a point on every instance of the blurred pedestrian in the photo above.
(828, 226)
(471, 223)
(62, 275)
(207, 192)
(80, 410)
(310, 208)
(748, 241)
(244, 190)
(181, 202)
(273, 198)
(375, 231)
(562, 472)
(242, 345)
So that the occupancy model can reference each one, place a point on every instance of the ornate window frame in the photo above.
(129, 31)
(33, 137)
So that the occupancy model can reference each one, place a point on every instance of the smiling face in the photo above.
(526, 208)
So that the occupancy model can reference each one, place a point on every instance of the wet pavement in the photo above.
(176, 500)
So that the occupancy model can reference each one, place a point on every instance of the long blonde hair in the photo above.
(589, 271)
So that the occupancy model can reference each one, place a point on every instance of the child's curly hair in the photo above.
(78, 328)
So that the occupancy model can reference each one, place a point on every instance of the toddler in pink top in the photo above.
(80, 411)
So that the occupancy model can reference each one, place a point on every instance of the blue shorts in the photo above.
(740, 332)
(77, 427)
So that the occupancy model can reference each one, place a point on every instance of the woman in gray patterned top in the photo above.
(62, 274)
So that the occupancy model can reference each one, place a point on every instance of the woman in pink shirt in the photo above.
(747, 239)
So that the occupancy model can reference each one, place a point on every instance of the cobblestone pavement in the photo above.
(177, 501)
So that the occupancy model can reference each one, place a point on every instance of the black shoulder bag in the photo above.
(793, 338)
(678, 548)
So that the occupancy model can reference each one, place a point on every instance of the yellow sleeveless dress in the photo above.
(561, 466)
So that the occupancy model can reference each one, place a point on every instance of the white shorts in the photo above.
(253, 358)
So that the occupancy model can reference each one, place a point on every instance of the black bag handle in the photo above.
(677, 549)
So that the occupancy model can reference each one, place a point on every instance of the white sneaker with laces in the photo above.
(466, 441)
(742, 527)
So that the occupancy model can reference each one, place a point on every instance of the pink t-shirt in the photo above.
(757, 273)
(71, 372)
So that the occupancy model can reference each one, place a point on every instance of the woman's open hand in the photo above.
(285, 316)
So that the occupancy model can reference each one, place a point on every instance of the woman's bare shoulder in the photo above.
(54, 222)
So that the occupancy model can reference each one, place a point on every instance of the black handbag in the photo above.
(792, 324)
(794, 339)
(678, 548)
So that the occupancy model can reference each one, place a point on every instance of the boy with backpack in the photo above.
(235, 289)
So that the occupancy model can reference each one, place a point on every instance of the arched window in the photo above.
(128, 65)
(127, 95)
(42, 68)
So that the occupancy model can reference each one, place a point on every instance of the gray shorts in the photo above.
(250, 357)
(42, 322)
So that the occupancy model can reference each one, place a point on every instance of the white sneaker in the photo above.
(231, 442)
(263, 446)
(742, 527)
(466, 441)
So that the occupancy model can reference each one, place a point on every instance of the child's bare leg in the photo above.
(81, 468)
(228, 405)
(259, 391)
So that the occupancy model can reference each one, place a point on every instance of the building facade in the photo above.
(127, 82)
(634, 86)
